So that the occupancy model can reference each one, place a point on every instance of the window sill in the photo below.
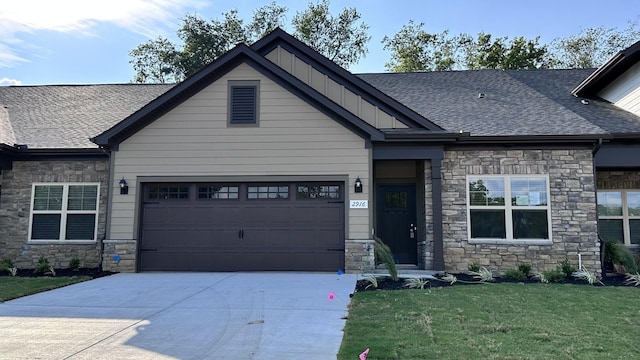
(61, 242)
(510, 242)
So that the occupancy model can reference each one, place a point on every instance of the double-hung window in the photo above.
(64, 212)
(619, 216)
(508, 207)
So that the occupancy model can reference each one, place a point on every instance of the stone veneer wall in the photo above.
(572, 200)
(15, 206)
(618, 180)
(359, 256)
(425, 250)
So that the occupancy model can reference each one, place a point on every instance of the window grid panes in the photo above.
(218, 192)
(310, 192)
(524, 217)
(268, 192)
(168, 192)
(619, 216)
(64, 212)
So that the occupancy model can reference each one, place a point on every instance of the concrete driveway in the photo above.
(181, 316)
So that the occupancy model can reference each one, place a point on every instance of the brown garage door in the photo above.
(242, 227)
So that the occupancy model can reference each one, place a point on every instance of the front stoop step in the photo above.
(406, 271)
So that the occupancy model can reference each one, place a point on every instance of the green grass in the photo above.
(12, 287)
(495, 321)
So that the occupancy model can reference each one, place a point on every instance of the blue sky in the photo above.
(87, 42)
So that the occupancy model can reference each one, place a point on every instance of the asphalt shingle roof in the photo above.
(515, 102)
(66, 116)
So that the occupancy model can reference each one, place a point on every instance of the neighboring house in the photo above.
(275, 158)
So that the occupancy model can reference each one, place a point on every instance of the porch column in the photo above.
(436, 197)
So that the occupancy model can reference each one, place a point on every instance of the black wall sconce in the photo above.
(124, 188)
(357, 187)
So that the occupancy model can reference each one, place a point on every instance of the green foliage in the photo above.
(6, 264)
(620, 256)
(450, 278)
(15, 287)
(385, 256)
(373, 282)
(566, 267)
(556, 275)
(474, 267)
(525, 268)
(587, 275)
(415, 283)
(633, 279)
(542, 277)
(487, 52)
(74, 264)
(483, 274)
(42, 267)
(514, 274)
(341, 39)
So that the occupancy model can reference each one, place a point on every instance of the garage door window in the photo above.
(311, 192)
(218, 192)
(268, 192)
(168, 192)
(63, 212)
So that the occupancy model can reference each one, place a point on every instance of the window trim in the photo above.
(64, 212)
(626, 229)
(243, 83)
(508, 209)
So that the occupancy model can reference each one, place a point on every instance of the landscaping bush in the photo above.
(514, 274)
(620, 256)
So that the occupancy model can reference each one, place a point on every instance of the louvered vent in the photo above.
(243, 104)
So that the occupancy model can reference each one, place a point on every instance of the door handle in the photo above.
(412, 231)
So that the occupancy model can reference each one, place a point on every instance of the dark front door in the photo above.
(395, 219)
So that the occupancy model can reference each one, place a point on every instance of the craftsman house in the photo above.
(275, 158)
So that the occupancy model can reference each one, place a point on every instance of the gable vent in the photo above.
(243, 104)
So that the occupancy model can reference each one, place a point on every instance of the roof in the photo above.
(505, 102)
(66, 116)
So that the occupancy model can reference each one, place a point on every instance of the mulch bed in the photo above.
(90, 272)
(386, 283)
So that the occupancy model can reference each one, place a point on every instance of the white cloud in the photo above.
(146, 17)
(6, 82)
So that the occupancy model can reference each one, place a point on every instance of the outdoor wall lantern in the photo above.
(358, 185)
(124, 188)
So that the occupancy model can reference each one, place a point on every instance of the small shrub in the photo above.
(542, 277)
(566, 267)
(525, 269)
(587, 275)
(633, 279)
(74, 264)
(13, 271)
(385, 256)
(514, 274)
(42, 267)
(483, 275)
(474, 267)
(555, 275)
(6, 264)
(450, 278)
(373, 282)
(620, 256)
(415, 283)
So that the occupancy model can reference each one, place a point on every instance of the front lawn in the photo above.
(495, 321)
(12, 287)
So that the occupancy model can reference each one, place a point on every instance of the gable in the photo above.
(624, 91)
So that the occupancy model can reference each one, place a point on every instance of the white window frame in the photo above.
(625, 217)
(63, 213)
(508, 209)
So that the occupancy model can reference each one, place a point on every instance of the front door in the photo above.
(396, 220)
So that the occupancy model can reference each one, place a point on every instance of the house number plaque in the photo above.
(359, 204)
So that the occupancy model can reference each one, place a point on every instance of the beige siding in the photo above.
(624, 92)
(292, 139)
(334, 91)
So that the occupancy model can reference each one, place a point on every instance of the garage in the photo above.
(242, 227)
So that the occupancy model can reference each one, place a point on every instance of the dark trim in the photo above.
(617, 156)
(605, 74)
(413, 152)
(436, 205)
(279, 37)
(10, 154)
(240, 54)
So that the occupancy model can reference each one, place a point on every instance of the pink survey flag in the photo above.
(331, 296)
(364, 354)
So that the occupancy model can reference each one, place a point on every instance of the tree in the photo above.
(519, 53)
(413, 49)
(341, 38)
(593, 46)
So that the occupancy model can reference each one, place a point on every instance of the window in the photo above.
(218, 192)
(243, 102)
(320, 191)
(508, 207)
(268, 192)
(619, 216)
(168, 192)
(64, 212)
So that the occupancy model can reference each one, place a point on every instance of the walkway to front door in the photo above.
(396, 220)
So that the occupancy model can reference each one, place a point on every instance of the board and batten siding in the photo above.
(333, 90)
(624, 91)
(292, 139)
